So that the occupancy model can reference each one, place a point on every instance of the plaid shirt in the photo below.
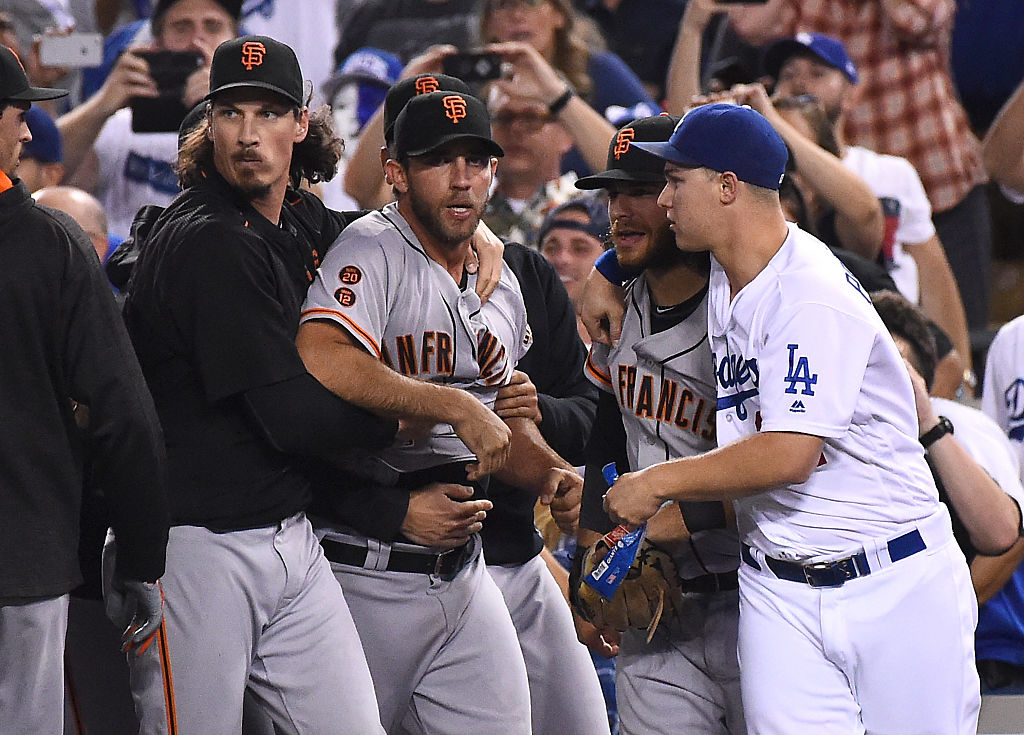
(905, 103)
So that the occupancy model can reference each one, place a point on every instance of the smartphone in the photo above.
(169, 70)
(472, 66)
(74, 50)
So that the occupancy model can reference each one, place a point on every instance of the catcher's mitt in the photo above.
(650, 589)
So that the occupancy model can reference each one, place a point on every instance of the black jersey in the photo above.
(213, 311)
(64, 342)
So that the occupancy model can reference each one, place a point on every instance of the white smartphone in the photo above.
(74, 50)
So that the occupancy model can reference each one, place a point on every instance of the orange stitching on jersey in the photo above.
(360, 332)
(604, 378)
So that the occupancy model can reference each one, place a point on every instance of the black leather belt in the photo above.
(446, 565)
(835, 573)
(711, 583)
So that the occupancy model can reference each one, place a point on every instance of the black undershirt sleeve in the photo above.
(607, 443)
(299, 416)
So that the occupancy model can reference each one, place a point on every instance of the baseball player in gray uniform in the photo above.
(658, 403)
(392, 323)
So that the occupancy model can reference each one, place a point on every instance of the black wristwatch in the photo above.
(945, 426)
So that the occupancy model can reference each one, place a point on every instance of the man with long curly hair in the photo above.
(213, 310)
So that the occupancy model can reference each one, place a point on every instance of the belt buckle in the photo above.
(822, 566)
(439, 561)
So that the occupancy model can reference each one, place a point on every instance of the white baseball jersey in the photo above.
(664, 384)
(366, 284)
(986, 443)
(1002, 395)
(800, 349)
(894, 180)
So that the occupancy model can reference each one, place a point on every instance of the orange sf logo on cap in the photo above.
(454, 107)
(622, 142)
(252, 54)
(426, 85)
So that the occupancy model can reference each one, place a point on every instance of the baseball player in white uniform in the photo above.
(393, 322)
(658, 386)
(856, 609)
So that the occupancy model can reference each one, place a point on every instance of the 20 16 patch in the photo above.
(351, 275)
(345, 296)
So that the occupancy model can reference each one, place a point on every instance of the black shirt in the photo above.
(213, 311)
(64, 340)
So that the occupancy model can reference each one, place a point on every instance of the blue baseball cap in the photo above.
(46, 145)
(367, 65)
(826, 48)
(725, 137)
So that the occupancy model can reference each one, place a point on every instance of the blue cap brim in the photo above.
(666, 152)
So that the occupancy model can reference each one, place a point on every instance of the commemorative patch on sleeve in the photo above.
(345, 296)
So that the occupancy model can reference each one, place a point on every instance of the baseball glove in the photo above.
(650, 589)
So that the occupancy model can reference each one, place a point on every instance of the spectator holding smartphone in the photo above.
(102, 154)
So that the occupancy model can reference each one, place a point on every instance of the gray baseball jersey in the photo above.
(665, 386)
(405, 309)
(461, 669)
(687, 678)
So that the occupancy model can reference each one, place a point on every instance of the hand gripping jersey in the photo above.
(800, 349)
(404, 308)
(665, 386)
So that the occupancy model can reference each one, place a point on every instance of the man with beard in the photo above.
(658, 402)
(392, 323)
(213, 307)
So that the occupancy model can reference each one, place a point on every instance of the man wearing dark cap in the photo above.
(103, 153)
(392, 324)
(68, 355)
(857, 607)
(213, 310)
(687, 678)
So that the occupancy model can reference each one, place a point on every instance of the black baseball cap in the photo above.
(404, 90)
(628, 163)
(256, 61)
(14, 81)
(431, 120)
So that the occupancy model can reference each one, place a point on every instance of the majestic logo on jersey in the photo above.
(798, 407)
(345, 296)
(490, 356)
(350, 275)
(852, 280)
(733, 372)
(799, 372)
(454, 107)
(426, 85)
(252, 54)
(432, 356)
(664, 400)
(1014, 399)
(622, 142)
